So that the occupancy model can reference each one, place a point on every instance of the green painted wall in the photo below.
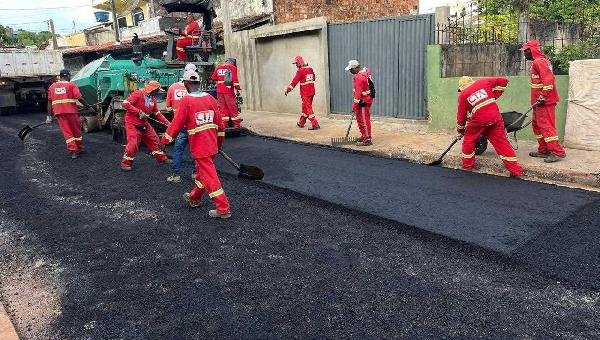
(442, 96)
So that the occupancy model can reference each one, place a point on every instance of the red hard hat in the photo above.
(298, 59)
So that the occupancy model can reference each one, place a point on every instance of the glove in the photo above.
(362, 103)
(460, 130)
(142, 115)
(541, 100)
(164, 141)
(48, 119)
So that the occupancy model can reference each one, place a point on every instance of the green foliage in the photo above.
(589, 49)
(5, 39)
(550, 10)
(24, 38)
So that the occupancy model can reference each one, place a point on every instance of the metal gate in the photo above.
(395, 50)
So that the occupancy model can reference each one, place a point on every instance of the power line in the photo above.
(42, 8)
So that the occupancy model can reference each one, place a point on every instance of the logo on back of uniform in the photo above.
(222, 72)
(60, 90)
(204, 117)
(310, 77)
(477, 97)
(180, 94)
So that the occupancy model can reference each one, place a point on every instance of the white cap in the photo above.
(352, 64)
(191, 67)
(191, 76)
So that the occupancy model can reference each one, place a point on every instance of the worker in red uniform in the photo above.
(226, 76)
(191, 36)
(306, 77)
(139, 106)
(362, 101)
(544, 97)
(199, 114)
(63, 96)
(175, 93)
(477, 100)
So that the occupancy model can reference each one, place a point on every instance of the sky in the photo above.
(32, 15)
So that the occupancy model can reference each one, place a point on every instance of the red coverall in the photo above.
(226, 94)
(544, 115)
(63, 96)
(192, 36)
(199, 113)
(175, 93)
(479, 100)
(362, 94)
(139, 130)
(306, 77)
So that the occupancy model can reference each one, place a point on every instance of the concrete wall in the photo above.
(245, 8)
(442, 96)
(265, 64)
(341, 10)
(75, 39)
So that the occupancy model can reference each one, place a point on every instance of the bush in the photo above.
(578, 51)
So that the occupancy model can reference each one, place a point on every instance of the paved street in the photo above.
(331, 245)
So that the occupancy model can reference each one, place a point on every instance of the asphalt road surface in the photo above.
(330, 245)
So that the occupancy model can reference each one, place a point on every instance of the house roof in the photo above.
(161, 38)
(112, 46)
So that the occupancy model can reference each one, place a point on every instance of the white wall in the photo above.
(245, 8)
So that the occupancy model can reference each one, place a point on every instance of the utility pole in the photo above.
(226, 25)
(152, 9)
(115, 22)
(54, 43)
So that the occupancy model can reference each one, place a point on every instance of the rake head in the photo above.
(335, 141)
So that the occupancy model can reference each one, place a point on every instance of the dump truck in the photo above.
(25, 75)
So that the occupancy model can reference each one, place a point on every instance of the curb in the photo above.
(7, 330)
(494, 167)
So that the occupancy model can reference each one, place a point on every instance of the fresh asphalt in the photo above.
(330, 245)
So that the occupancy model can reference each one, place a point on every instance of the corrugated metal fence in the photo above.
(395, 50)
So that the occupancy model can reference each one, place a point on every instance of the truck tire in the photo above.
(89, 124)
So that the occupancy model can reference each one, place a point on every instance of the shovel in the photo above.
(439, 160)
(245, 171)
(27, 129)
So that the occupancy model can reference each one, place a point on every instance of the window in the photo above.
(138, 15)
(122, 22)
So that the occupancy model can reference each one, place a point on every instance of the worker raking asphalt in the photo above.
(89, 251)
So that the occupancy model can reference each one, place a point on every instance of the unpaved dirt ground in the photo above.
(89, 252)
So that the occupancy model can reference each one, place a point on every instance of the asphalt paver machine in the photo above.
(108, 81)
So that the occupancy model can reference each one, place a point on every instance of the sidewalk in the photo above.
(7, 331)
(411, 140)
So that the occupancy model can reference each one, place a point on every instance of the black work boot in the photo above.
(538, 154)
(316, 127)
(552, 158)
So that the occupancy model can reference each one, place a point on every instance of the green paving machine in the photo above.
(107, 82)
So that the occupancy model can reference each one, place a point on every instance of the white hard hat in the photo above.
(191, 67)
(352, 64)
(191, 76)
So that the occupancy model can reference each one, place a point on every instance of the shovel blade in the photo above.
(436, 162)
(24, 132)
(251, 172)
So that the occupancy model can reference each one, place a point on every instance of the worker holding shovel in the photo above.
(140, 105)
(477, 99)
(63, 96)
(199, 113)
